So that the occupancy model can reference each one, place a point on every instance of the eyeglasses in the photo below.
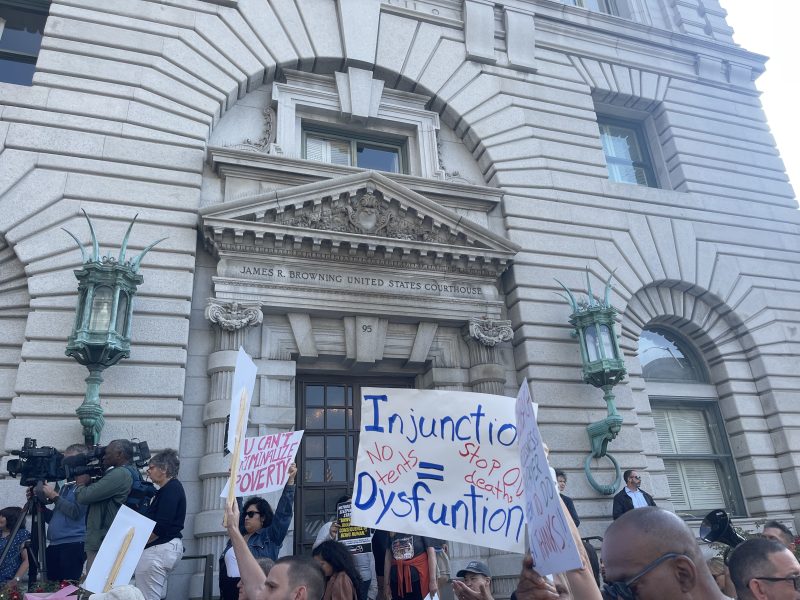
(620, 590)
(635, 477)
(251, 513)
(795, 579)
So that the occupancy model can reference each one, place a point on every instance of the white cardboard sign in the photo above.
(265, 463)
(549, 536)
(125, 521)
(442, 464)
(244, 377)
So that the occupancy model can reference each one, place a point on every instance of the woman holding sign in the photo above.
(264, 532)
(411, 567)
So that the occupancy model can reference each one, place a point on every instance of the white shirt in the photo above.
(637, 497)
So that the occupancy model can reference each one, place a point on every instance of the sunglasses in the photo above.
(620, 590)
(795, 579)
(251, 513)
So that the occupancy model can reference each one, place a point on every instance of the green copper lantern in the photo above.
(101, 334)
(603, 367)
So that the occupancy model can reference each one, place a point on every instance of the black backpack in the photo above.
(141, 493)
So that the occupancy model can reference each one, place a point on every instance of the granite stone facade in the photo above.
(196, 114)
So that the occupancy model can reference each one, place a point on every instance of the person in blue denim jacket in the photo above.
(264, 532)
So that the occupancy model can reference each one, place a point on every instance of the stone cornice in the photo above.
(284, 171)
(364, 216)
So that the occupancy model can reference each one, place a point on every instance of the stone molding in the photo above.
(490, 332)
(232, 316)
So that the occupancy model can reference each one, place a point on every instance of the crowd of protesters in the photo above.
(648, 553)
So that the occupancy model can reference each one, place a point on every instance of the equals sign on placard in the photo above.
(437, 471)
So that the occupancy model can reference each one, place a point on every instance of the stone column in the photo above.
(230, 321)
(487, 373)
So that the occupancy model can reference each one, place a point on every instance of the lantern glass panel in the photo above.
(608, 342)
(122, 313)
(81, 309)
(100, 318)
(591, 343)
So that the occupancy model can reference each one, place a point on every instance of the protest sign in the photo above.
(549, 536)
(120, 551)
(441, 464)
(244, 378)
(357, 539)
(265, 463)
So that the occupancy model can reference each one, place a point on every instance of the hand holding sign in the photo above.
(549, 535)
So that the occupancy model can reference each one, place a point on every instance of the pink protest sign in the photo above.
(265, 463)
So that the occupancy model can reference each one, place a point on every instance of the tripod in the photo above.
(36, 509)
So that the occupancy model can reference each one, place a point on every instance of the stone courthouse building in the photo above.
(382, 193)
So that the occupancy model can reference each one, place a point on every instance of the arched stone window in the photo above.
(691, 433)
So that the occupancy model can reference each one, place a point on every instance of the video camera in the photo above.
(45, 463)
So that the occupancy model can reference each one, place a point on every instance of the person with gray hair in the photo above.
(763, 569)
(164, 548)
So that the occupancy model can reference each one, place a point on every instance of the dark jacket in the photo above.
(623, 503)
(571, 508)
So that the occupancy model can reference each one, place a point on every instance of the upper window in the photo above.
(21, 30)
(626, 152)
(664, 357)
(353, 152)
(606, 6)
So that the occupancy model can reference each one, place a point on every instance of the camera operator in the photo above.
(67, 526)
(105, 496)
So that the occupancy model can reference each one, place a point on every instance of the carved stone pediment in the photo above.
(364, 218)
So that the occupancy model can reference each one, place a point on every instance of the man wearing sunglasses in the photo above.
(631, 496)
(650, 554)
(763, 569)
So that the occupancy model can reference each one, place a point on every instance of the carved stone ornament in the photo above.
(367, 213)
(490, 332)
(267, 138)
(231, 316)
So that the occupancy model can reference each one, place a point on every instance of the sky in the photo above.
(769, 27)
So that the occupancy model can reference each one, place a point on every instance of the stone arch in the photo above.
(724, 342)
(14, 308)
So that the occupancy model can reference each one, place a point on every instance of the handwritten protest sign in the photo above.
(357, 539)
(549, 536)
(265, 462)
(441, 464)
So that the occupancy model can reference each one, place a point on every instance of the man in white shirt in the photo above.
(631, 496)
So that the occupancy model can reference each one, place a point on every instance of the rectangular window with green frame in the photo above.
(625, 148)
(697, 457)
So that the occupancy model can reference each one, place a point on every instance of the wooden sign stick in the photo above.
(112, 575)
(237, 448)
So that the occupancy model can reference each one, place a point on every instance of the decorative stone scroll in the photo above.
(232, 316)
(490, 332)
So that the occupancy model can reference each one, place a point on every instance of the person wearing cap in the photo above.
(477, 578)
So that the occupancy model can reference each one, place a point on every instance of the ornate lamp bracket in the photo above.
(603, 367)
